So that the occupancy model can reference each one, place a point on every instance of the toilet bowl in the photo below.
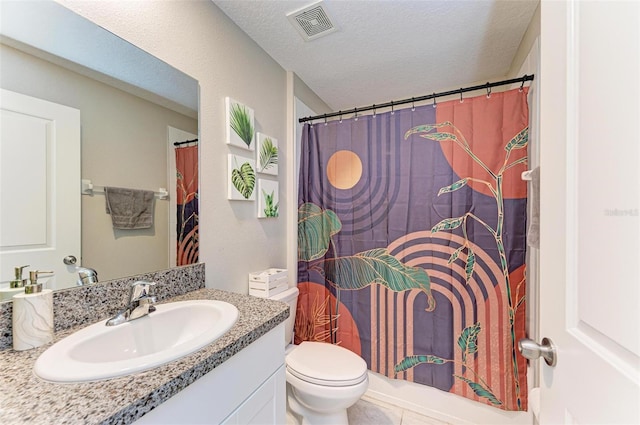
(323, 380)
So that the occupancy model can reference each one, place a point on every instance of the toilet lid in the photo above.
(326, 364)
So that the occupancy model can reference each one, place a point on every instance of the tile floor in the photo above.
(372, 412)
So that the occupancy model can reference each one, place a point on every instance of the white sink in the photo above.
(101, 352)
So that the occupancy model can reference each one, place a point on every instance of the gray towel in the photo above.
(129, 208)
(533, 233)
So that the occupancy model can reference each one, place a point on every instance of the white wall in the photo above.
(197, 38)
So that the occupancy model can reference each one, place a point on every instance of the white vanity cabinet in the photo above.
(248, 388)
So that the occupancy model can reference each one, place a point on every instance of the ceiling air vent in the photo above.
(312, 21)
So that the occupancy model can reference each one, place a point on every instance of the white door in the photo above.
(174, 135)
(39, 187)
(590, 219)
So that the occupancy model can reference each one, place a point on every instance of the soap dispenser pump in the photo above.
(32, 315)
(18, 281)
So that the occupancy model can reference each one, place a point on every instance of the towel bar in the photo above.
(526, 175)
(89, 188)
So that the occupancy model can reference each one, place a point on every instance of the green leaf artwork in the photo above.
(448, 224)
(244, 179)
(453, 187)
(480, 390)
(375, 266)
(425, 128)
(268, 155)
(440, 137)
(271, 209)
(455, 254)
(413, 361)
(518, 141)
(240, 122)
(315, 228)
(471, 262)
(468, 340)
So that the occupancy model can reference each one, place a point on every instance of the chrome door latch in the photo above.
(532, 350)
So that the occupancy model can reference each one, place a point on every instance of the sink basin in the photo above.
(101, 352)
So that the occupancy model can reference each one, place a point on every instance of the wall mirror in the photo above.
(132, 108)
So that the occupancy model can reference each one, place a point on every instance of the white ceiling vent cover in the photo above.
(312, 21)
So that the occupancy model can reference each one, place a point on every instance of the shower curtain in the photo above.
(411, 243)
(187, 202)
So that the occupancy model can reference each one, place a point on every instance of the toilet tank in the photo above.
(290, 296)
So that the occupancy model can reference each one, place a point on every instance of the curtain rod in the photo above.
(185, 142)
(393, 103)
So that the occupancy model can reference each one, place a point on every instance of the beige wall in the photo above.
(529, 38)
(197, 38)
(124, 144)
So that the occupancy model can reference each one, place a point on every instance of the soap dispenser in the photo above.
(16, 285)
(32, 315)
(18, 281)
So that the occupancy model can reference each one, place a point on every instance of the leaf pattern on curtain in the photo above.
(187, 205)
(519, 141)
(374, 266)
(422, 256)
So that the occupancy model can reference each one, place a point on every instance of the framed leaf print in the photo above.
(239, 125)
(241, 178)
(267, 154)
(268, 201)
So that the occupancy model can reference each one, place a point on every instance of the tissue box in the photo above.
(265, 292)
(267, 276)
(267, 283)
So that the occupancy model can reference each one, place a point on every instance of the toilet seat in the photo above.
(326, 364)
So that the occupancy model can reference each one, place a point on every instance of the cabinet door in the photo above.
(218, 396)
(266, 405)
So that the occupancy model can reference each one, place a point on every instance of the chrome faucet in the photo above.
(87, 276)
(140, 304)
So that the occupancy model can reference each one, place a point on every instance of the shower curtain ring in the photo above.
(340, 112)
(488, 91)
(356, 114)
(374, 110)
(413, 104)
(522, 85)
(325, 119)
(461, 99)
(434, 101)
(392, 111)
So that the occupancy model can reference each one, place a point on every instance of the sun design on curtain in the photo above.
(411, 244)
(187, 204)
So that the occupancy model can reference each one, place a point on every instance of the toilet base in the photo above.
(310, 417)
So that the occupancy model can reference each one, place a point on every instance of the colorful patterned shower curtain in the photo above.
(187, 200)
(411, 234)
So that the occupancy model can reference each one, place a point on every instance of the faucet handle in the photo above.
(140, 289)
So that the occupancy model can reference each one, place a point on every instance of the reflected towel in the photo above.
(533, 233)
(129, 208)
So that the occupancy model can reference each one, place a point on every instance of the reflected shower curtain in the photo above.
(411, 243)
(187, 201)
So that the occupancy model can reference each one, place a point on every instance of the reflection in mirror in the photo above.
(132, 108)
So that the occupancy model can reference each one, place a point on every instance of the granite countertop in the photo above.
(27, 399)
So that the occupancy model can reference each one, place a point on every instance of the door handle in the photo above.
(69, 260)
(532, 350)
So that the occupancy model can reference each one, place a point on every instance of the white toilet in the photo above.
(323, 379)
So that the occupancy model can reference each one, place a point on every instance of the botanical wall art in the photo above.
(239, 125)
(241, 178)
(267, 154)
(267, 198)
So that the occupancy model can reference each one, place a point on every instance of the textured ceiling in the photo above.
(389, 49)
